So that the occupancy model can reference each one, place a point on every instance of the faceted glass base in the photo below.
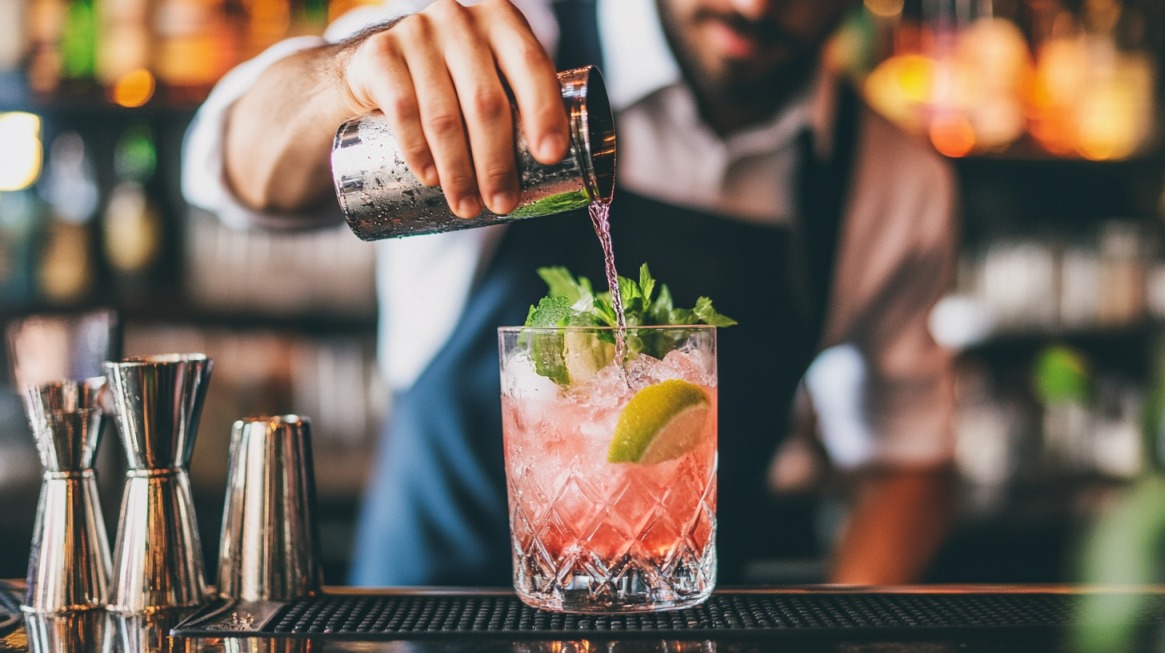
(588, 586)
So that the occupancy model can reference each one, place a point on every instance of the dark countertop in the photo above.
(933, 619)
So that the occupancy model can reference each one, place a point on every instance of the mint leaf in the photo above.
(572, 302)
(708, 315)
(567, 201)
(661, 308)
(546, 348)
(563, 284)
(646, 285)
(551, 311)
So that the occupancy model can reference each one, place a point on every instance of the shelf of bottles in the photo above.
(1051, 111)
(95, 97)
(1021, 78)
(136, 53)
(1060, 327)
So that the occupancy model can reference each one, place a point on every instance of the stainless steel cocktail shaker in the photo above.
(381, 198)
(270, 544)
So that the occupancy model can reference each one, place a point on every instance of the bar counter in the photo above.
(966, 618)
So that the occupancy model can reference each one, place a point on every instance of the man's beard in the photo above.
(758, 91)
(744, 87)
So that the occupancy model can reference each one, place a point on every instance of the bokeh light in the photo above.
(952, 134)
(134, 89)
(885, 8)
(23, 152)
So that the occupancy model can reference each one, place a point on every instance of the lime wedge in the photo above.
(661, 422)
(584, 355)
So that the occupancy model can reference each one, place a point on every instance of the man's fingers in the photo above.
(531, 76)
(487, 113)
(390, 87)
(435, 75)
(441, 120)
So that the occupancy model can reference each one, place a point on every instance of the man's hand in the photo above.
(438, 77)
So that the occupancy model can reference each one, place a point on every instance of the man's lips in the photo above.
(732, 42)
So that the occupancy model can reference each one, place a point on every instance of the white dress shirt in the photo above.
(889, 395)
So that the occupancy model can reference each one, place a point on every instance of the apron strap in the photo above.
(823, 188)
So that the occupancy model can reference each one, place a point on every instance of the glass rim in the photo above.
(158, 360)
(601, 328)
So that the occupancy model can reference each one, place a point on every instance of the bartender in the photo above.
(748, 172)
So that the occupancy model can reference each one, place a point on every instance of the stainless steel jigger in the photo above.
(68, 569)
(270, 544)
(157, 401)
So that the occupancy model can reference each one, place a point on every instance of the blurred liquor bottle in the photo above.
(79, 45)
(1153, 416)
(12, 32)
(67, 266)
(132, 226)
(45, 25)
(196, 44)
(126, 51)
(1092, 91)
(20, 220)
(20, 210)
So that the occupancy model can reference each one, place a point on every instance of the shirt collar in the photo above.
(638, 62)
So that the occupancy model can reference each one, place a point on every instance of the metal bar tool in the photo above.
(269, 549)
(68, 569)
(157, 401)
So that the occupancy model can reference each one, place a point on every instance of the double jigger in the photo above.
(68, 569)
(269, 548)
(157, 401)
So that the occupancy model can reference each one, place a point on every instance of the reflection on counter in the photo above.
(68, 632)
(98, 631)
(588, 646)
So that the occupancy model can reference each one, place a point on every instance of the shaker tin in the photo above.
(381, 198)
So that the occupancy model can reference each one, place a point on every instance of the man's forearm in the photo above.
(279, 135)
(898, 522)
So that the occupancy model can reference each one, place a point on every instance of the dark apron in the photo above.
(435, 513)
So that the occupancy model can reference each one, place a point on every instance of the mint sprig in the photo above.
(572, 302)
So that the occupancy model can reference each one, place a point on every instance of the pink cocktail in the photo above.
(611, 469)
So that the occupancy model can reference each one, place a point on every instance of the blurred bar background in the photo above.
(1050, 110)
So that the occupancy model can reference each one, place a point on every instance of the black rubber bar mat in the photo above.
(426, 616)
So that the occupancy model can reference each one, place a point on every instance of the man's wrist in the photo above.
(339, 57)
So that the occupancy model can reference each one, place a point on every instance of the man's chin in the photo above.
(742, 83)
